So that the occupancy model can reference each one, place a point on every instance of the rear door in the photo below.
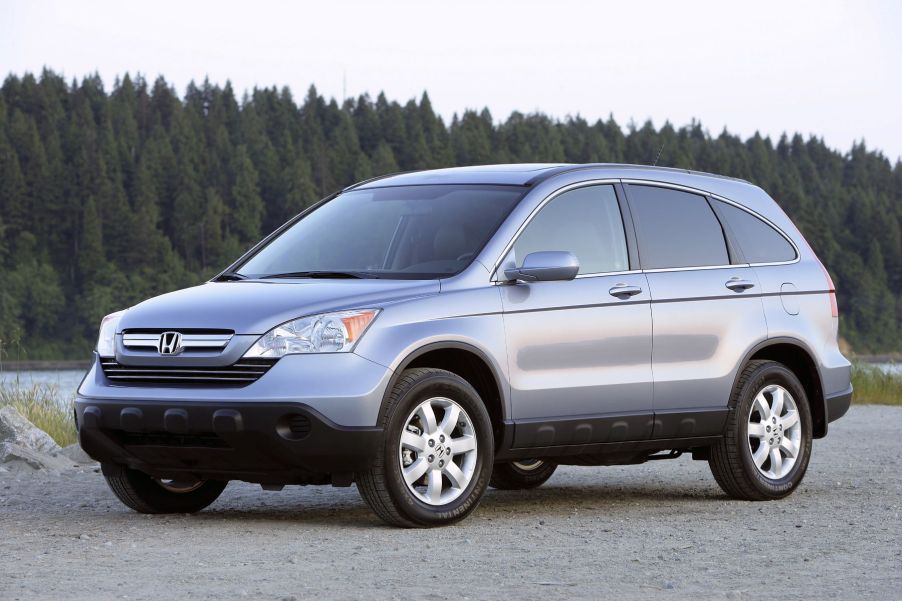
(579, 351)
(705, 304)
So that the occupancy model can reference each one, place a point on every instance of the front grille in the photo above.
(242, 373)
(192, 340)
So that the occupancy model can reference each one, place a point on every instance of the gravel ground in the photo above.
(661, 530)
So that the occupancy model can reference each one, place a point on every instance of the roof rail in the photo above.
(579, 167)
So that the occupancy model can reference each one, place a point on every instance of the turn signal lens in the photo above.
(356, 323)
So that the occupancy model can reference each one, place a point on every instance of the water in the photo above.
(65, 381)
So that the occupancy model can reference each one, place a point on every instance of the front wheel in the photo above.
(146, 494)
(518, 475)
(436, 460)
(765, 451)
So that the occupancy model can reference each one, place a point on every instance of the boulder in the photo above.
(16, 458)
(17, 430)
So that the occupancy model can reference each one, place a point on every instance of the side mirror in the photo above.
(545, 266)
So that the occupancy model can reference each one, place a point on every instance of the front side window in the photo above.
(759, 242)
(676, 229)
(403, 232)
(585, 221)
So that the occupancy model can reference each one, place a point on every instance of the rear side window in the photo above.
(676, 229)
(759, 242)
(585, 221)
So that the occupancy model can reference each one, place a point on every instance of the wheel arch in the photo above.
(471, 364)
(796, 356)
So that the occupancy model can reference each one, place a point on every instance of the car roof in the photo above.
(518, 174)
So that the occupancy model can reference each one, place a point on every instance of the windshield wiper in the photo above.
(230, 276)
(337, 275)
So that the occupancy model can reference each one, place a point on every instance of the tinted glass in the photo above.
(676, 229)
(401, 232)
(759, 242)
(586, 222)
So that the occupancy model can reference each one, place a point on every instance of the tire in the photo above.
(146, 494)
(752, 435)
(519, 475)
(384, 487)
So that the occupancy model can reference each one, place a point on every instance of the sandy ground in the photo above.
(662, 530)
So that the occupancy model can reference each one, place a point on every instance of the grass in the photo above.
(40, 404)
(873, 385)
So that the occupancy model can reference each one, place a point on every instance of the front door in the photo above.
(579, 351)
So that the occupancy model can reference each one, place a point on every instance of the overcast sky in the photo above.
(832, 69)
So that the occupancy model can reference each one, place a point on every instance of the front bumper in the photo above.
(309, 419)
(269, 443)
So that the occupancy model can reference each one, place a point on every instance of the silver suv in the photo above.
(429, 334)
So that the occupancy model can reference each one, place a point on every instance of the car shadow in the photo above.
(293, 504)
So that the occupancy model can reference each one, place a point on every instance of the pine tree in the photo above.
(246, 204)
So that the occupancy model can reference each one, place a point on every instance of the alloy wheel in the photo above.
(774, 432)
(438, 451)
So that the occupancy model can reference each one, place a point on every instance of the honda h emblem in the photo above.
(170, 343)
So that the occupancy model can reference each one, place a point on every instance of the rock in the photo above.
(15, 429)
(76, 455)
(18, 458)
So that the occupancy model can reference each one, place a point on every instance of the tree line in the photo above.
(108, 197)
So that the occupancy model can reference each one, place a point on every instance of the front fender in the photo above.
(466, 319)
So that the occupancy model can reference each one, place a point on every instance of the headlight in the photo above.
(325, 333)
(106, 342)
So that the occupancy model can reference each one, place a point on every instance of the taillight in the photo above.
(831, 289)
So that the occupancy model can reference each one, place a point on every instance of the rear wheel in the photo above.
(765, 451)
(517, 475)
(146, 494)
(435, 463)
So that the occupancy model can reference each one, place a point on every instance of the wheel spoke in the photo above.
(763, 406)
(449, 422)
(777, 406)
(427, 416)
(455, 475)
(413, 441)
(776, 463)
(791, 419)
(434, 487)
(760, 455)
(756, 430)
(415, 471)
(463, 444)
(789, 447)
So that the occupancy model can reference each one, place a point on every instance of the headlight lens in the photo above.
(325, 333)
(106, 342)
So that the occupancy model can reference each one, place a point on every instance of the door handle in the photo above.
(738, 285)
(623, 291)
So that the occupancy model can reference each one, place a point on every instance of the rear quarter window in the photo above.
(758, 241)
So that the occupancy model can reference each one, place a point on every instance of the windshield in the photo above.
(409, 232)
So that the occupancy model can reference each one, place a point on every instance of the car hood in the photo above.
(255, 307)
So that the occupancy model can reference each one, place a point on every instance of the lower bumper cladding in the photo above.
(267, 443)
